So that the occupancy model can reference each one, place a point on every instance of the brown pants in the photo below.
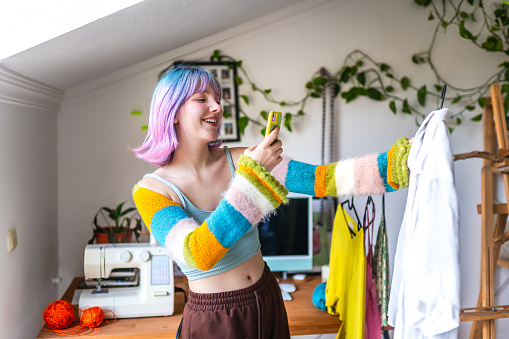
(249, 313)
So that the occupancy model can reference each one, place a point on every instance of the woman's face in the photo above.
(199, 117)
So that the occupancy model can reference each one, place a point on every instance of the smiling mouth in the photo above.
(210, 121)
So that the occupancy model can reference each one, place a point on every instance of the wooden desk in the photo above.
(303, 316)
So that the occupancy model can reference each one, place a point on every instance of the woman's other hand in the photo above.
(267, 153)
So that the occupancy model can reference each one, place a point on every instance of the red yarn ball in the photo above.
(59, 314)
(92, 317)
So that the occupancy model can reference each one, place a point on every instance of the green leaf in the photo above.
(144, 127)
(243, 122)
(392, 106)
(384, 67)
(226, 114)
(245, 98)
(389, 89)
(506, 75)
(239, 63)
(349, 96)
(421, 95)
(417, 59)
(264, 115)
(423, 3)
(505, 87)
(267, 91)
(337, 89)
(282, 103)
(405, 83)
(458, 121)
(361, 77)
(465, 33)
(359, 63)
(493, 44)
(456, 99)
(375, 94)
(316, 94)
(438, 88)
(481, 102)
(470, 107)
(238, 80)
(406, 107)
(477, 118)
(288, 121)
(320, 81)
(431, 16)
(309, 85)
(463, 15)
(345, 76)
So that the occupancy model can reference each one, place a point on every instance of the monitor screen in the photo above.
(286, 237)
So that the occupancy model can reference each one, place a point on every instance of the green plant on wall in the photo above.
(362, 76)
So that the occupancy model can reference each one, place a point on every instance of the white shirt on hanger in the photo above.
(425, 291)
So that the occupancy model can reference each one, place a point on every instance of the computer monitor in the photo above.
(287, 236)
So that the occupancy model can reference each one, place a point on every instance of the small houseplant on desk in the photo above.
(113, 225)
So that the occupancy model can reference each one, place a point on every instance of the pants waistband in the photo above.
(237, 298)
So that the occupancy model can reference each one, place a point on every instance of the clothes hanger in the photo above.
(351, 206)
(366, 219)
(442, 96)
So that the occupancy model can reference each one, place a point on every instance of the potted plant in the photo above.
(113, 225)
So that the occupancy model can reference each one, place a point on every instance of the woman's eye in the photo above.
(200, 100)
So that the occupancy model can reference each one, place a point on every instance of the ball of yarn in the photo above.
(59, 314)
(92, 317)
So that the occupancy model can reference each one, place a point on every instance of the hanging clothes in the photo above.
(425, 292)
(381, 267)
(345, 293)
(373, 321)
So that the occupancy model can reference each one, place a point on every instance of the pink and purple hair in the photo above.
(174, 88)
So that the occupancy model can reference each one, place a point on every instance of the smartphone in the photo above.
(273, 120)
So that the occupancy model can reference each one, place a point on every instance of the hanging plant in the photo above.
(362, 76)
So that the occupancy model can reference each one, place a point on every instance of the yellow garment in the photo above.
(345, 294)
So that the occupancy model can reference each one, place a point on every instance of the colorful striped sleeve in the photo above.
(253, 194)
(365, 175)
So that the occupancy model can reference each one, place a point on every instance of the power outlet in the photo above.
(12, 239)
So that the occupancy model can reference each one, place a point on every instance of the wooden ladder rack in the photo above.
(493, 230)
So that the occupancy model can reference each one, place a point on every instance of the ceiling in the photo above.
(132, 35)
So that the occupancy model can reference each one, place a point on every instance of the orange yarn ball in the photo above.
(92, 317)
(59, 314)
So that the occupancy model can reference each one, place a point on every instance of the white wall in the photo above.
(28, 203)
(281, 52)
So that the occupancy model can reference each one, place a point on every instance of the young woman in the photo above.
(203, 203)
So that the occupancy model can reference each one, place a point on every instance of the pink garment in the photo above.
(373, 325)
(373, 328)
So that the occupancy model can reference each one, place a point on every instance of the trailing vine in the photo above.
(362, 76)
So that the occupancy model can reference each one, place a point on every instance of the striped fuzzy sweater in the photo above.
(255, 193)
(369, 174)
(252, 195)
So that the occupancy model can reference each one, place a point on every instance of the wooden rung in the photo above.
(497, 209)
(503, 262)
(484, 313)
(502, 164)
(503, 152)
(502, 238)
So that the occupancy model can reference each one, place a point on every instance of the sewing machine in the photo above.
(144, 276)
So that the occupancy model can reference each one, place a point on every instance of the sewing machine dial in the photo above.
(125, 256)
(144, 255)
